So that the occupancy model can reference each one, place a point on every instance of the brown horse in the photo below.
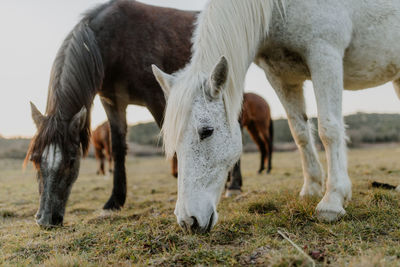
(108, 53)
(256, 118)
(101, 140)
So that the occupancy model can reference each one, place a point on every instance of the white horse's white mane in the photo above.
(230, 28)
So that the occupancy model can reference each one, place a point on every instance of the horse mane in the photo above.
(76, 76)
(222, 28)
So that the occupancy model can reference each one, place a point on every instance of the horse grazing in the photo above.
(256, 118)
(109, 53)
(101, 140)
(336, 44)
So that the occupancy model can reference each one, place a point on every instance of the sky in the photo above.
(32, 31)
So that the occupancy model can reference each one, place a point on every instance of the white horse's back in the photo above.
(373, 56)
(368, 33)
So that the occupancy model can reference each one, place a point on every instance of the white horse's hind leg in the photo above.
(292, 99)
(325, 64)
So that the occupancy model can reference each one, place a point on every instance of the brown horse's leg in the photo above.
(234, 183)
(110, 165)
(116, 113)
(100, 158)
(107, 149)
(270, 145)
(174, 167)
(253, 131)
(267, 153)
(267, 135)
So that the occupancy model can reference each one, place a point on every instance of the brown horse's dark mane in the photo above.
(76, 76)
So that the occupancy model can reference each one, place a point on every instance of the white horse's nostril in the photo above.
(195, 224)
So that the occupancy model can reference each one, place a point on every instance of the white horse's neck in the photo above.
(234, 29)
(231, 28)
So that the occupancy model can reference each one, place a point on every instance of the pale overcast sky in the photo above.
(32, 31)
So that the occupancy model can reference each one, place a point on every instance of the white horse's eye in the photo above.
(205, 132)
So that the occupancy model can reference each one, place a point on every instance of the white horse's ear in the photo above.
(78, 123)
(218, 78)
(165, 80)
(36, 115)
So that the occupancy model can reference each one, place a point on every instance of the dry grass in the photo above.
(145, 232)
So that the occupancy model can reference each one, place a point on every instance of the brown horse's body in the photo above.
(256, 118)
(101, 140)
(132, 36)
(109, 53)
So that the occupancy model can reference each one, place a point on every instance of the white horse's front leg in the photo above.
(325, 64)
(292, 99)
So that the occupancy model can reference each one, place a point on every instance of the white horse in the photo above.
(351, 44)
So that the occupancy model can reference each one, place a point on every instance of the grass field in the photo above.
(145, 232)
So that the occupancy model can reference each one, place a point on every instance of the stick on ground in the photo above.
(297, 247)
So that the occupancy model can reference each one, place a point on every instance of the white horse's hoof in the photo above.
(328, 212)
(232, 192)
(398, 188)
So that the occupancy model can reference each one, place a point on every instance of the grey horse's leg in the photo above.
(326, 67)
(292, 99)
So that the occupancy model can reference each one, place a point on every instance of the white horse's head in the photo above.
(197, 128)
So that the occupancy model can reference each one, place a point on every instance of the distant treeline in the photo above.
(361, 128)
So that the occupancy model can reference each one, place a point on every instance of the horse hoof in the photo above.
(112, 205)
(397, 189)
(232, 192)
(329, 213)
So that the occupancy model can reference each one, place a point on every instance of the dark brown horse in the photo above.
(101, 141)
(256, 118)
(109, 52)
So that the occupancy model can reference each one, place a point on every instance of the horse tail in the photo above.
(76, 76)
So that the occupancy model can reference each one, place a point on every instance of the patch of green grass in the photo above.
(262, 208)
(145, 231)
